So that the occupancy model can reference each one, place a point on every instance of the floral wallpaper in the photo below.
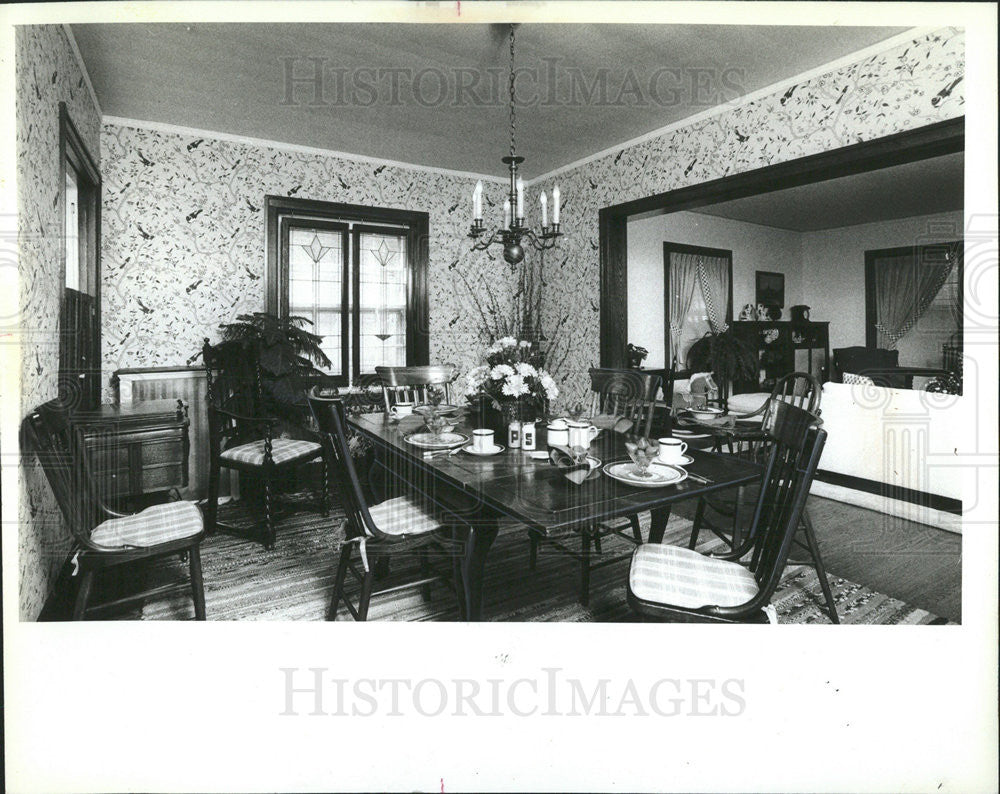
(184, 239)
(46, 73)
(918, 83)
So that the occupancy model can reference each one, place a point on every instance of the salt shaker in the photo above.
(514, 435)
(528, 436)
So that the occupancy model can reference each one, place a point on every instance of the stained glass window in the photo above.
(316, 287)
(382, 295)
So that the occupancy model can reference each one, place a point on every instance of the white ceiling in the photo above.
(230, 78)
(903, 191)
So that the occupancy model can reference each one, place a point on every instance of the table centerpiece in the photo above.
(511, 385)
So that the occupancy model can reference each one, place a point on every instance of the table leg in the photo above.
(477, 546)
(658, 518)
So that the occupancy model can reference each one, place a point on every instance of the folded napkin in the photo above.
(618, 424)
(572, 461)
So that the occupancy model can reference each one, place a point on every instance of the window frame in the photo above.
(956, 247)
(73, 153)
(684, 248)
(412, 224)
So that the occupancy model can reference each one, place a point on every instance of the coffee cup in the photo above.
(482, 440)
(401, 409)
(671, 450)
(557, 433)
(581, 434)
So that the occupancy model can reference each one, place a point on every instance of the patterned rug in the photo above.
(295, 581)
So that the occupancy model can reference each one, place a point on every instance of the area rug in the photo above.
(243, 581)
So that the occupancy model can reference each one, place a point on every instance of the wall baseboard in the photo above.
(876, 499)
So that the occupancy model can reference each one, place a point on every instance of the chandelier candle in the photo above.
(514, 230)
(544, 201)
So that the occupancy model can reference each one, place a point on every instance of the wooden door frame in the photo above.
(932, 140)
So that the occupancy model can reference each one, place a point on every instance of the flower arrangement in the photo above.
(512, 376)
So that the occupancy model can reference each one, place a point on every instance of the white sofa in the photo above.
(901, 437)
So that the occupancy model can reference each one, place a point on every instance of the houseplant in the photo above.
(288, 356)
(511, 384)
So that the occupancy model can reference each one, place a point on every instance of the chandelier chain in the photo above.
(511, 87)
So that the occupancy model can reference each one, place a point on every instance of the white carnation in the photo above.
(501, 371)
(515, 386)
(526, 370)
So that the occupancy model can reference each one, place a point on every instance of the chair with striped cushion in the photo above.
(799, 389)
(622, 401)
(671, 583)
(243, 437)
(404, 525)
(105, 538)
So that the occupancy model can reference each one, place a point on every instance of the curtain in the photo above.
(713, 274)
(904, 288)
(683, 276)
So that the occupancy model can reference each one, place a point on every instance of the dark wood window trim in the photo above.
(919, 251)
(681, 248)
(73, 153)
(416, 227)
(932, 140)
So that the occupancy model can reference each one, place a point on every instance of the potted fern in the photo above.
(289, 357)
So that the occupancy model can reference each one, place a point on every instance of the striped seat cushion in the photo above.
(283, 450)
(403, 516)
(684, 578)
(154, 525)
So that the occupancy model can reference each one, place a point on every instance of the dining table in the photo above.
(514, 489)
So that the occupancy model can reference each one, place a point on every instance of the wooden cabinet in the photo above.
(782, 347)
(136, 451)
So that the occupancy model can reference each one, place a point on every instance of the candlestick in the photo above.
(506, 213)
(555, 204)
(545, 210)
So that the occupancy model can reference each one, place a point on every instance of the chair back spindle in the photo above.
(412, 384)
(625, 393)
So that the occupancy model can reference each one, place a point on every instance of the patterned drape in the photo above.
(904, 288)
(713, 274)
(683, 276)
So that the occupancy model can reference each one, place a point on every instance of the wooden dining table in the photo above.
(531, 493)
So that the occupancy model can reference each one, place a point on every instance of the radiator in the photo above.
(185, 383)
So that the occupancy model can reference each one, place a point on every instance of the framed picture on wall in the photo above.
(771, 288)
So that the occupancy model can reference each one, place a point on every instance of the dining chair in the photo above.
(802, 390)
(411, 384)
(404, 525)
(623, 399)
(105, 538)
(626, 400)
(245, 437)
(672, 583)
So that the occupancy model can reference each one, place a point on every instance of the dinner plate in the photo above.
(497, 449)
(660, 474)
(444, 409)
(431, 441)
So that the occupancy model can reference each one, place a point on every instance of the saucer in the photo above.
(497, 449)
(683, 460)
